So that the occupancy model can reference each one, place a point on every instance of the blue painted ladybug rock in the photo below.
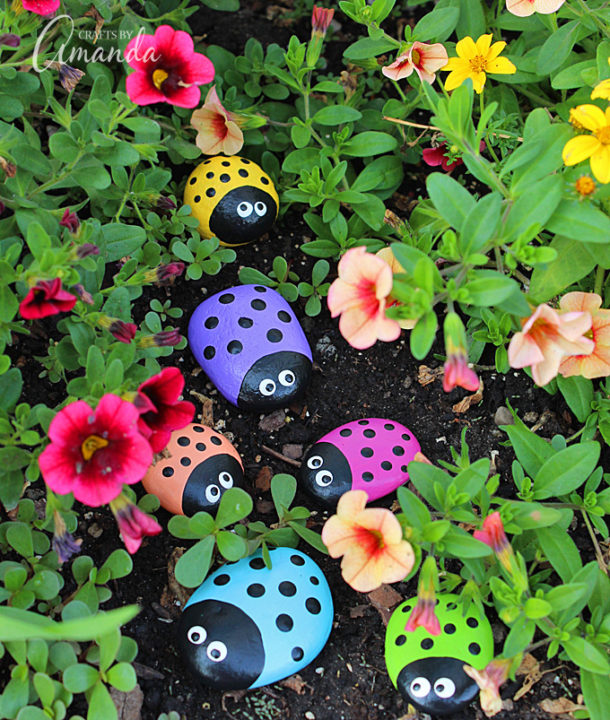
(248, 626)
(370, 455)
(251, 346)
(428, 669)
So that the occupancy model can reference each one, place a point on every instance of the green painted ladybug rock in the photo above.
(428, 669)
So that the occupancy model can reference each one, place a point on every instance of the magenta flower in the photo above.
(70, 221)
(167, 69)
(122, 331)
(133, 524)
(435, 156)
(46, 298)
(94, 452)
(41, 7)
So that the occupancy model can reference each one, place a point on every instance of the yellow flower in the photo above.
(476, 59)
(602, 90)
(595, 146)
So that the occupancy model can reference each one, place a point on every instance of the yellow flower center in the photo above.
(478, 63)
(603, 135)
(159, 77)
(585, 185)
(415, 57)
(91, 444)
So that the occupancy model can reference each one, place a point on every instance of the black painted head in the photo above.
(438, 686)
(221, 644)
(208, 481)
(274, 381)
(243, 215)
(325, 473)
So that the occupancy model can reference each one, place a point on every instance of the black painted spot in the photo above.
(197, 198)
(386, 465)
(314, 580)
(226, 298)
(245, 162)
(274, 335)
(245, 322)
(427, 643)
(265, 181)
(367, 476)
(257, 563)
(211, 322)
(284, 622)
(369, 433)
(398, 450)
(406, 608)
(242, 173)
(183, 441)
(256, 590)
(185, 461)
(346, 432)
(389, 426)
(224, 178)
(287, 588)
(197, 428)
(400, 640)
(260, 288)
(404, 468)
(209, 352)
(209, 175)
(258, 304)
(235, 347)
(217, 441)
(451, 606)
(168, 472)
(297, 560)
(207, 162)
(313, 606)
(210, 192)
(449, 628)
(472, 622)
(363, 422)
(297, 653)
(366, 452)
(474, 648)
(405, 436)
(222, 579)
(193, 180)
(284, 316)
(225, 163)
(200, 447)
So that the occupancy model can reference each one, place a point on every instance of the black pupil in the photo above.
(215, 653)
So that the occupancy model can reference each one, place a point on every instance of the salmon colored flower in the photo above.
(423, 614)
(94, 452)
(370, 541)
(474, 60)
(456, 370)
(493, 535)
(161, 410)
(524, 8)
(489, 681)
(41, 7)
(217, 128)
(321, 19)
(387, 255)
(546, 338)
(134, 524)
(425, 59)
(595, 146)
(359, 295)
(597, 364)
(167, 69)
(46, 298)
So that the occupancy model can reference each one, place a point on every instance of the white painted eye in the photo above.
(420, 687)
(324, 478)
(287, 378)
(266, 387)
(212, 493)
(225, 479)
(197, 635)
(260, 209)
(314, 462)
(444, 688)
(217, 651)
(244, 209)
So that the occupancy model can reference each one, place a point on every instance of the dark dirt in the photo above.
(348, 680)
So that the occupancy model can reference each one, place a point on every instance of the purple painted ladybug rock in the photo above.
(370, 455)
(251, 346)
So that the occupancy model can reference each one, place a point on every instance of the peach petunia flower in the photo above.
(547, 337)
(525, 8)
(597, 364)
(387, 255)
(489, 681)
(423, 58)
(217, 128)
(370, 541)
(359, 296)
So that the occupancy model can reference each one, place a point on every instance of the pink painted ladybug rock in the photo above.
(202, 464)
(370, 455)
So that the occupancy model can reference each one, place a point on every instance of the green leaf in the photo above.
(580, 221)
(578, 393)
(452, 200)
(366, 48)
(437, 25)
(586, 655)
(481, 223)
(283, 490)
(471, 480)
(122, 676)
(596, 691)
(11, 384)
(423, 335)
(573, 262)
(309, 536)
(19, 536)
(532, 451)
(193, 566)
(336, 115)
(121, 240)
(101, 706)
(533, 208)
(563, 596)
(231, 546)
(566, 470)
(560, 550)
(557, 47)
(368, 143)
(536, 608)
(461, 544)
(489, 287)
(416, 513)
(80, 677)
(235, 504)
(519, 637)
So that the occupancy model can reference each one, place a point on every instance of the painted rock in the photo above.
(427, 669)
(247, 626)
(370, 455)
(250, 344)
(233, 199)
(202, 465)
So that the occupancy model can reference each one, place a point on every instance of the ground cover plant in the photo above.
(443, 171)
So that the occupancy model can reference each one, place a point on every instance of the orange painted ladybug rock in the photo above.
(202, 465)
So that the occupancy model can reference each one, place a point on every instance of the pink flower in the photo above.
(161, 411)
(547, 337)
(489, 681)
(321, 19)
(370, 541)
(122, 331)
(435, 156)
(423, 58)
(597, 364)
(94, 452)
(133, 523)
(423, 614)
(46, 298)
(524, 8)
(70, 220)
(166, 68)
(456, 370)
(493, 535)
(359, 296)
(217, 129)
(41, 7)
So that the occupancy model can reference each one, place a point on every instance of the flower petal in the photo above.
(456, 78)
(141, 90)
(589, 116)
(600, 164)
(466, 48)
(501, 66)
(580, 148)
(483, 44)
(580, 302)
(546, 7)
(520, 8)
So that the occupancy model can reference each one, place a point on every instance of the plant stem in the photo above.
(598, 551)
(600, 276)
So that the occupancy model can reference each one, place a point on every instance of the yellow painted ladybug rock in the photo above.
(233, 199)
(202, 465)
